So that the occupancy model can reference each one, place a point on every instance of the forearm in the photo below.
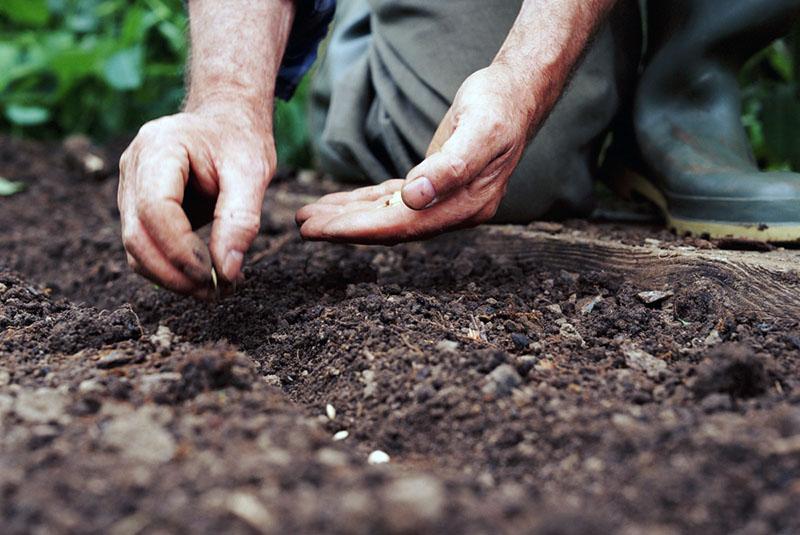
(543, 46)
(237, 47)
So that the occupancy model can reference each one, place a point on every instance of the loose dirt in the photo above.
(509, 399)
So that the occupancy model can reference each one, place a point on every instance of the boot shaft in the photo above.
(725, 30)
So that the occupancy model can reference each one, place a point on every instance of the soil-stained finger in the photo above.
(151, 263)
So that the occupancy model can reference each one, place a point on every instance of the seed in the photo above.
(341, 435)
(397, 198)
(330, 411)
(378, 457)
(214, 279)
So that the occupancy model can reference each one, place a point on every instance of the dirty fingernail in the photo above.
(232, 265)
(419, 193)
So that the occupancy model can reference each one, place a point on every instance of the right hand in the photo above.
(228, 152)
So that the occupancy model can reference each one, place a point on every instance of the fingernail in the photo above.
(419, 193)
(232, 265)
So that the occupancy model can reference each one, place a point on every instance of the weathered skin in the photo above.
(224, 136)
(478, 143)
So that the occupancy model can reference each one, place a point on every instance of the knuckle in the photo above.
(124, 161)
(456, 166)
(156, 128)
(487, 212)
(146, 208)
(244, 222)
(149, 129)
(130, 239)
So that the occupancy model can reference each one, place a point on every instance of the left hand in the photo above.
(460, 183)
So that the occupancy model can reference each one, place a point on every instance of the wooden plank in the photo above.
(767, 283)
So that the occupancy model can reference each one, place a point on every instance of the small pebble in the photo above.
(89, 386)
(340, 435)
(447, 346)
(40, 406)
(555, 309)
(113, 359)
(378, 457)
(653, 297)
(643, 361)
(520, 340)
(163, 338)
(330, 411)
(501, 381)
(587, 304)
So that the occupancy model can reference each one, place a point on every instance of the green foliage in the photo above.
(104, 67)
(94, 66)
(771, 104)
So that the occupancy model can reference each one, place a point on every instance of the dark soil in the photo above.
(509, 399)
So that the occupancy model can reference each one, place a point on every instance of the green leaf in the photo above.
(136, 25)
(8, 58)
(123, 70)
(780, 117)
(781, 60)
(7, 187)
(175, 35)
(27, 115)
(26, 12)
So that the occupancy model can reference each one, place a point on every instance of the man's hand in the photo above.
(222, 153)
(478, 143)
(213, 161)
(460, 183)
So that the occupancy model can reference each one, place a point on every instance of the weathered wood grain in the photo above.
(767, 283)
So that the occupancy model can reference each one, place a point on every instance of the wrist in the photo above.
(221, 104)
(522, 93)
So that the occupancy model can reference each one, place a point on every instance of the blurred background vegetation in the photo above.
(103, 67)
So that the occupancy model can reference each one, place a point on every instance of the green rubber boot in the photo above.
(697, 165)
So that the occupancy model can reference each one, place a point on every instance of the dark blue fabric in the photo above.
(311, 21)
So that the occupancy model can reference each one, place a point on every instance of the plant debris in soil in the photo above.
(429, 387)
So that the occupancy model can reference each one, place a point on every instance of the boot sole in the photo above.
(630, 184)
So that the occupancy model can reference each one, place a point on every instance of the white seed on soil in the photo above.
(654, 297)
(330, 411)
(378, 457)
(340, 435)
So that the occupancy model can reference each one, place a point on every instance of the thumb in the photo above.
(460, 159)
(237, 218)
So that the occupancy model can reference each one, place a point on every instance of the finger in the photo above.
(369, 193)
(317, 210)
(382, 224)
(387, 225)
(147, 260)
(319, 218)
(372, 226)
(467, 152)
(159, 209)
(238, 215)
(330, 210)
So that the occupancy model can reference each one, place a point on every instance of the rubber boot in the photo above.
(697, 164)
